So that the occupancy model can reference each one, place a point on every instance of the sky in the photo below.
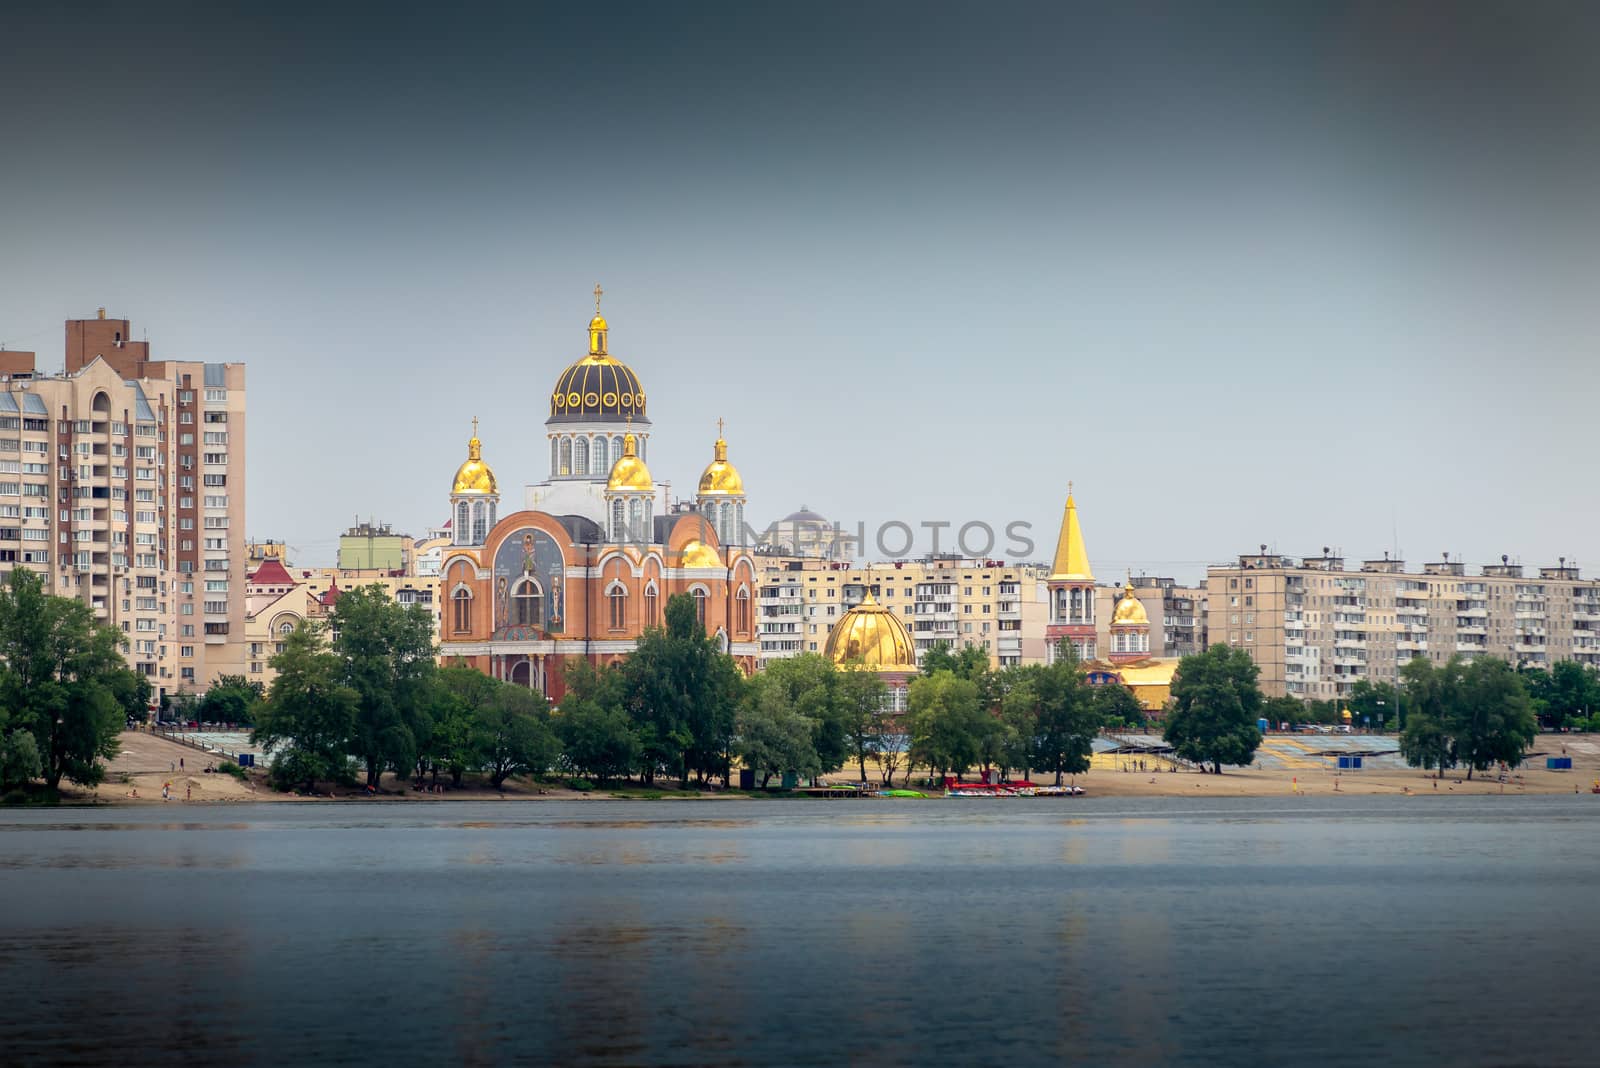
(1289, 274)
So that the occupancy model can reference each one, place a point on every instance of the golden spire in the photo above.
(597, 326)
(1072, 559)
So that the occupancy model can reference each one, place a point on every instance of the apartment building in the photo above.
(1315, 627)
(995, 606)
(122, 484)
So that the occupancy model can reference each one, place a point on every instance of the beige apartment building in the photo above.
(122, 484)
(995, 606)
(1315, 626)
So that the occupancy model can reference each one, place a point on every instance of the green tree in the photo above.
(683, 692)
(512, 734)
(970, 662)
(1215, 707)
(1568, 691)
(1375, 703)
(231, 699)
(808, 685)
(859, 696)
(386, 651)
(460, 695)
(1063, 740)
(1431, 696)
(773, 738)
(309, 715)
(598, 739)
(1115, 705)
(19, 759)
(1493, 720)
(946, 722)
(1290, 710)
(63, 680)
(1018, 697)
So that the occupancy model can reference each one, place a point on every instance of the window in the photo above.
(650, 617)
(699, 604)
(742, 611)
(462, 602)
(580, 456)
(617, 602)
(602, 464)
(527, 604)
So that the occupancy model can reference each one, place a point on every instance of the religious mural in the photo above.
(529, 587)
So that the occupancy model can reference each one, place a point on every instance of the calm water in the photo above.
(1438, 932)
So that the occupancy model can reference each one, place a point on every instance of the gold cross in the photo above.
(1069, 487)
(474, 426)
(719, 428)
(597, 293)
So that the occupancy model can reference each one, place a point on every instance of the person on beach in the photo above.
(180, 763)
(188, 792)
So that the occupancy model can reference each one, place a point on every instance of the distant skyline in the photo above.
(1301, 275)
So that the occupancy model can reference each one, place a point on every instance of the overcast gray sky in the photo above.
(1296, 274)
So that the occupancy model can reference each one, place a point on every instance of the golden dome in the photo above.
(874, 636)
(698, 554)
(720, 476)
(597, 385)
(1130, 612)
(474, 476)
(629, 472)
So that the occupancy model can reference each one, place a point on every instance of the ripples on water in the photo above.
(1134, 931)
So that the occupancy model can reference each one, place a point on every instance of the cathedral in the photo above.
(590, 559)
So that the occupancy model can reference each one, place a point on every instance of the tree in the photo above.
(1431, 696)
(231, 699)
(772, 738)
(808, 685)
(460, 694)
(859, 696)
(309, 714)
(1116, 705)
(1018, 697)
(970, 662)
(1569, 690)
(387, 654)
(1289, 710)
(1377, 703)
(945, 721)
(19, 759)
(63, 680)
(1067, 719)
(1493, 720)
(683, 692)
(1215, 707)
(512, 733)
(598, 739)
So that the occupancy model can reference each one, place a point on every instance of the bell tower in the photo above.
(1071, 586)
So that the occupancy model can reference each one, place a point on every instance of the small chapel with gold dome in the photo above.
(589, 560)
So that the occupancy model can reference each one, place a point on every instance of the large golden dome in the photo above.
(474, 476)
(1130, 611)
(721, 477)
(629, 472)
(874, 636)
(598, 384)
(697, 553)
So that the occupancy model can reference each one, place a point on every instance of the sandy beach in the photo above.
(147, 763)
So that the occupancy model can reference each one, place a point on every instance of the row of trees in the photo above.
(65, 691)
(1477, 715)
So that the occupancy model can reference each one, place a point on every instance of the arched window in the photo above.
(742, 610)
(286, 629)
(480, 522)
(616, 446)
(580, 456)
(602, 463)
(699, 595)
(738, 528)
(650, 617)
(463, 523)
(635, 518)
(617, 602)
(461, 600)
(566, 457)
(555, 457)
(527, 604)
(618, 519)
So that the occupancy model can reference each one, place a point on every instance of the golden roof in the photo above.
(598, 384)
(1072, 559)
(697, 553)
(874, 636)
(474, 476)
(1130, 612)
(721, 477)
(629, 472)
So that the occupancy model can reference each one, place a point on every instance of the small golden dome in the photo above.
(721, 478)
(874, 636)
(598, 323)
(629, 472)
(697, 553)
(474, 476)
(1130, 611)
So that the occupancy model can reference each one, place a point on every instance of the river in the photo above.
(1433, 931)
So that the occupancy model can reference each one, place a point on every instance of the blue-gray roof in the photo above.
(8, 403)
(216, 374)
(33, 404)
(141, 406)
